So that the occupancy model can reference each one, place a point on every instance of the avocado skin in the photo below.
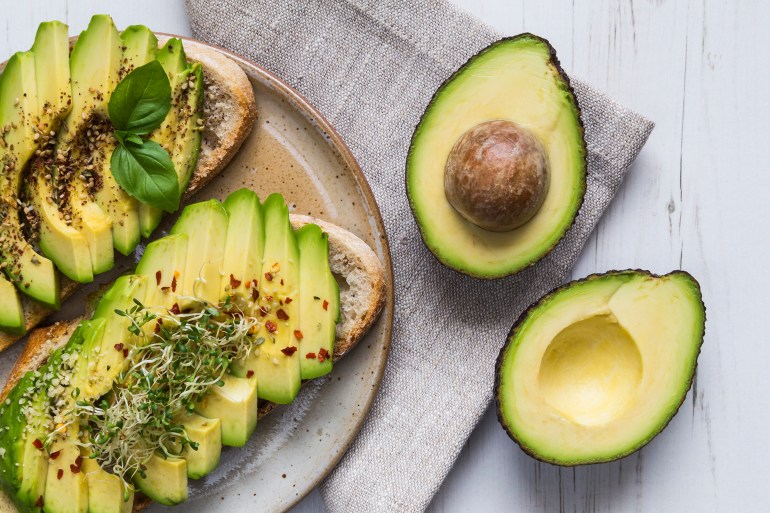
(554, 61)
(514, 329)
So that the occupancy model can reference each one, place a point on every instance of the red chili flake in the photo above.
(262, 311)
(255, 282)
(298, 334)
(269, 298)
(173, 283)
(254, 294)
(175, 309)
(165, 289)
(248, 284)
(234, 284)
(326, 305)
(37, 444)
(289, 300)
(79, 461)
(288, 351)
(39, 502)
(74, 469)
(250, 374)
(310, 356)
(125, 353)
(55, 455)
(59, 474)
(269, 276)
(323, 354)
(119, 347)
(271, 327)
(282, 315)
(157, 327)
(158, 276)
(281, 281)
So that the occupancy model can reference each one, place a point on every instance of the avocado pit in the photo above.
(497, 175)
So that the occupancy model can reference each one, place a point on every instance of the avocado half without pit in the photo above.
(497, 165)
(597, 368)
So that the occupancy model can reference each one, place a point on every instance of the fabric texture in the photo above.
(371, 67)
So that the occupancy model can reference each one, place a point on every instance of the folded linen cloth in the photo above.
(371, 67)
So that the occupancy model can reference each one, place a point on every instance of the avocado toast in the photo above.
(54, 242)
(255, 317)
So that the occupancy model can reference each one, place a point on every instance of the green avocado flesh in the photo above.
(240, 258)
(61, 209)
(516, 79)
(597, 368)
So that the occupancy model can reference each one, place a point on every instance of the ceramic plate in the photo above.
(292, 150)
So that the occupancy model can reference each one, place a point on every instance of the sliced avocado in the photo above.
(24, 465)
(319, 303)
(516, 83)
(235, 405)
(83, 377)
(275, 359)
(597, 368)
(106, 492)
(94, 71)
(188, 134)
(244, 247)
(207, 433)
(52, 61)
(206, 224)
(66, 246)
(163, 263)
(32, 273)
(66, 488)
(174, 61)
(11, 311)
(106, 356)
(139, 46)
(165, 480)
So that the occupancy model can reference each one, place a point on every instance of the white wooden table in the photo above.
(696, 198)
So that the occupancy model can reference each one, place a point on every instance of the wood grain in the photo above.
(696, 199)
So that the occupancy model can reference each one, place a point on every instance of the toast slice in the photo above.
(229, 110)
(359, 273)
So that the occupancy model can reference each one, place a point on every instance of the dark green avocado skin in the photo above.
(554, 61)
(525, 314)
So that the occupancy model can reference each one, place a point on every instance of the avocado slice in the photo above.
(165, 480)
(206, 223)
(11, 311)
(52, 61)
(179, 133)
(162, 263)
(597, 368)
(244, 248)
(104, 358)
(106, 492)
(139, 46)
(319, 303)
(24, 466)
(31, 272)
(66, 488)
(235, 405)
(275, 359)
(515, 80)
(94, 71)
(207, 433)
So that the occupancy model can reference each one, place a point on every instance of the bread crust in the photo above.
(226, 75)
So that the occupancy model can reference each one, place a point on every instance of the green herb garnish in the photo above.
(142, 167)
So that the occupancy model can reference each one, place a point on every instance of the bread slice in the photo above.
(229, 110)
(362, 296)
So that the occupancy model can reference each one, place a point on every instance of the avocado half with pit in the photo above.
(497, 164)
(597, 368)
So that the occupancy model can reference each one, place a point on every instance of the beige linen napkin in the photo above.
(371, 67)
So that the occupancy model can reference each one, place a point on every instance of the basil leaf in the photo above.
(146, 173)
(124, 137)
(141, 100)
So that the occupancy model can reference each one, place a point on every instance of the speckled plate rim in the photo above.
(309, 112)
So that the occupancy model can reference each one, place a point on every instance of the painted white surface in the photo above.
(696, 199)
